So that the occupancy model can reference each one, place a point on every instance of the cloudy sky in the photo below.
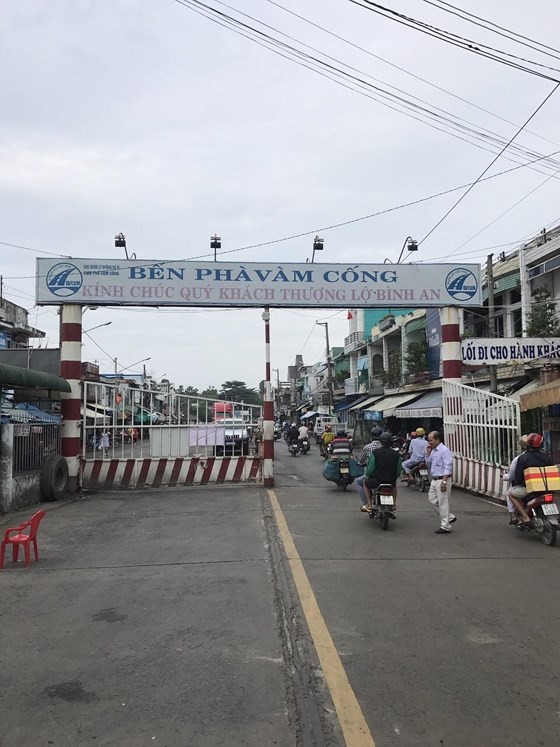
(144, 117)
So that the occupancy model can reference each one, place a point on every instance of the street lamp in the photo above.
(215, 244)
(127, 368)
(106, 324)
(317, 247)
(410, 244)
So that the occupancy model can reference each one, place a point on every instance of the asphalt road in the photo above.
(173, 618)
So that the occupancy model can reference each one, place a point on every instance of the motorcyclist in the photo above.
(510, 477)
(326, 439)
(363, 459)
(417, 453)
(303, 432)
(384, 467)
(533, 457)
(341, 445)
(292, 434)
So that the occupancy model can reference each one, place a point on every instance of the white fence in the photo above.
(133, 437)
(482, 430)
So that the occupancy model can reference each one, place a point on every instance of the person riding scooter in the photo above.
(417, 453)
(341, 445)
(326, 439)
(533, 457)
(384, 468)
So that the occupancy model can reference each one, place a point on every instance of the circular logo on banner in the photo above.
(64, 280)
(461, 284)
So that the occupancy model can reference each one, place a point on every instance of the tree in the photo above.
(237, 391)
(416, 359)
(542, 319)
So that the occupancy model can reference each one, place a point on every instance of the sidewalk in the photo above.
(149, 620)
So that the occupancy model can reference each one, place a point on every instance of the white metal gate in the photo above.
(482, 430)
(134, 437)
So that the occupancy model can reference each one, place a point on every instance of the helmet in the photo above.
(386, 439)
(376, 432)
(420, 432)
(535, 441)
(413, 434)
(293, 425)
(341, 433)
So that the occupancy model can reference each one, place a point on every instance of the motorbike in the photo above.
(543, 512)
(383, 505)
(342, 470)
(420, 479)
(277, 431)
(304, 445)
(293, 448)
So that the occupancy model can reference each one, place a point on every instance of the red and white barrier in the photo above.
(479, 477)
(105, 474)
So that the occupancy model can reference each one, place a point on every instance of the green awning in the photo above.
(28, 378)
(415, 325)
(509, 282)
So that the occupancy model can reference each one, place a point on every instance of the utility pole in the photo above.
(491, 318)
(329, 370)
(116, 366)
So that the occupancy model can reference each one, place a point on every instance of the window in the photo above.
(516, 323)
(499, 326)
(515, 295)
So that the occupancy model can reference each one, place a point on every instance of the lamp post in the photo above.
(215, 244)
(410, 244)
(106, 324)
(317, 247)
(329, 372)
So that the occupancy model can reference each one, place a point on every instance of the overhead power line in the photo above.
(403, 69)
(469, 45)
(435, 117)
(479, 178)
(495, 28)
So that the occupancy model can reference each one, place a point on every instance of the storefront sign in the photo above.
(503, 350)
(175, 283)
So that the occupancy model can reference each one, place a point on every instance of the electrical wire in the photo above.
(468, 45)
(494, 28)
(452, 124)
(458, 202)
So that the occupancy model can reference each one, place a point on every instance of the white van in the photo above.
(321, 421)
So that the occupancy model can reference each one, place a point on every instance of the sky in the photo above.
(143, 117)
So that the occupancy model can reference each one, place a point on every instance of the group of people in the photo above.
(531, 456)
(384, 465)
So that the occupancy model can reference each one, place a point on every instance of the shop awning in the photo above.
(100, 417)
(430, 405)
(308, 415)
(388, 405)
(302, 407)
(547, 394)
(348, 401)
(363, 404)
(532, 386)
(28, 378)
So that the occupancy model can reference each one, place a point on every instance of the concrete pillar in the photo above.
(268, 410)
(450, 343)
(70, 369)
(525, 289)
(6, 467)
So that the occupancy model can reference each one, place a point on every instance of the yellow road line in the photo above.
(354, 726)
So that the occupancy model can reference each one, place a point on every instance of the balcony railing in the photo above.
(353, 342)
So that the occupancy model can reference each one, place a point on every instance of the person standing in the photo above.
(439, 460)
(105, 442)
(363, 461)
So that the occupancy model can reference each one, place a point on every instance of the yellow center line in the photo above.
(351, 718)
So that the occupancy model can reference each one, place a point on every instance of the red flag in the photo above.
(349, 315)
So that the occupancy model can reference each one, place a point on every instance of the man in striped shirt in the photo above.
(363, 459)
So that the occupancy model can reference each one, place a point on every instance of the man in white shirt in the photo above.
(440, 465)
(303, 432)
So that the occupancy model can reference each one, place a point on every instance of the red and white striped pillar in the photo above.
(450, 343)
(268, 410)
(70, 369)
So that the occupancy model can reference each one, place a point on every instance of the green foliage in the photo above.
(416, 359)
(238, 392)
(542, 320)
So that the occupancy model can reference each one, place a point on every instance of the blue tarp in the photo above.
(37, 414)
(347, 402)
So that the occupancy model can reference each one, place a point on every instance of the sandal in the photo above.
(366, 510)
(513, 520)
